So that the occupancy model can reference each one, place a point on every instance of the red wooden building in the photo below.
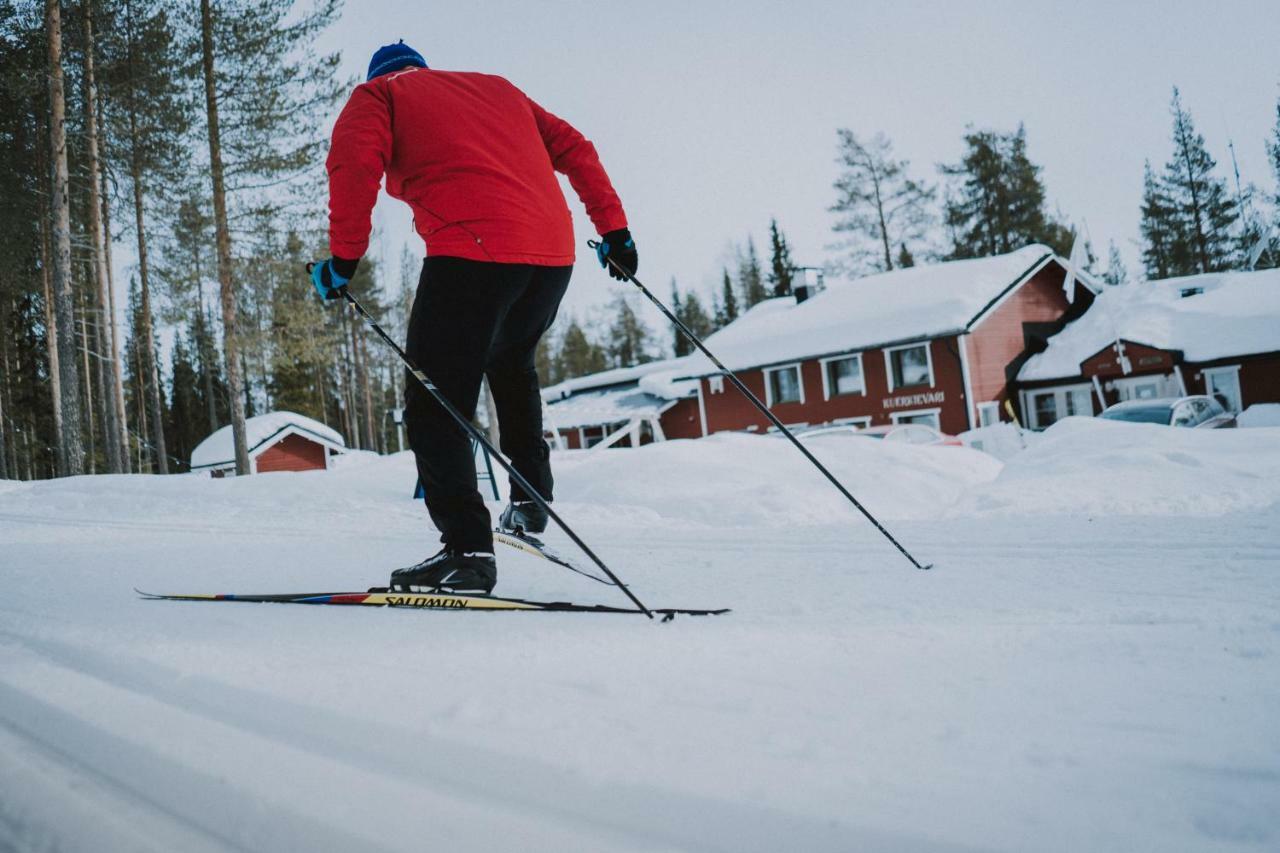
(278, 441)
(938, 344)
(1215, 334)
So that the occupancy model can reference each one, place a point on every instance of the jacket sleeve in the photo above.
(358, 157)
(575, 156)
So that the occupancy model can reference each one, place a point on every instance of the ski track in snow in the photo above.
(1059, 683)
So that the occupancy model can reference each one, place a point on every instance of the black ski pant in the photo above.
(472, 319)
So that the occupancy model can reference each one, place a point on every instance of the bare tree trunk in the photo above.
(117, 359)
(88, 386)
(144, 441)
(362, 387)
(64, 305)
(229, 344)
(148, 341)
(4, 388)
(207, 359)
(111, 429)
(51, 334)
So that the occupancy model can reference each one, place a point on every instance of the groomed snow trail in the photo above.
(1065, 682)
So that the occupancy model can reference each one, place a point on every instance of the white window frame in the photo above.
(1124, 386)
(860, 422)
(768, 385)
(888, 364)
(826, 379)
(914, 413)
(990, 405)
(1232, 370)
(1059, 400)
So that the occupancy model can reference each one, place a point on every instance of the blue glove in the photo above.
(619, 247)
(329, 277)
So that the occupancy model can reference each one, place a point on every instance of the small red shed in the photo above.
(278, 441)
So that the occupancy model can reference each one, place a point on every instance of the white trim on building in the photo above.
(928, 355)
(824, 367)
(768, 382)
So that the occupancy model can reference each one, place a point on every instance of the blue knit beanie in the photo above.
(393, 57)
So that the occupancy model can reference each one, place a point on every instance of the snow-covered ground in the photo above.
(1093, 665)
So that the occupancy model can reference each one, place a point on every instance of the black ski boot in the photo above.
(449, 571)
(523, 517)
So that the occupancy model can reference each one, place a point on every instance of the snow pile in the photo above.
(219, 448)
(915, 303)
(741, 480)
(1002, 440)
(1097, 467)
(1225, 314)
(1260, 415)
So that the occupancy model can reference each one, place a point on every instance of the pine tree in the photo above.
(880, 205)
(750, 276)
(1201, 204)
(997, 204)
(72, 445)
(781, 267)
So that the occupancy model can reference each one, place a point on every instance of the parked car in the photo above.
(906, 433)
(1195, 412)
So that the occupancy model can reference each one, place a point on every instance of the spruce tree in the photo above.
(696, 318)
(879, 204)
(727, 306)
(1116, 272)
(781, 267)
(1200, 201)
(679, 345)
(997, 202)
(629, 337)
(579, 355)
(750, 276)
(186, 421)
(1161, 228)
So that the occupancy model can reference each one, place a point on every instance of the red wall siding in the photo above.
(292, 453)
(1259, 377)
(1105, 363)
(729, 410)
(682, 420)
(999, 339)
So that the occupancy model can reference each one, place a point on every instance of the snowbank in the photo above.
(1097, 467)
(1260, 415)
(1003, 440)
(741, 480)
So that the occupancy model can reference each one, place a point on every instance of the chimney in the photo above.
(801, 292)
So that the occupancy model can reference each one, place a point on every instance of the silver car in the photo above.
(1196, 412)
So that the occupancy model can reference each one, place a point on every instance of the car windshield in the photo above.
(1140, 415)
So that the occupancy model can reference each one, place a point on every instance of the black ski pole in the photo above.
(755, 401)
(480, 437)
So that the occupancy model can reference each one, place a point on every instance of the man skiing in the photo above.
(475, 159)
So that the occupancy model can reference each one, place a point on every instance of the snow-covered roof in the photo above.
(607, 378)
(1237, 313)
(219, 448)
(910, 304)
(607, 406)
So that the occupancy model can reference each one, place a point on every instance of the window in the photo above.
(716, 383)
(783, 385)
(1223, 384)
(928, 418)
(988, 414)
(1140, 388)
(1044, 409)
(1047, 407)
(909, 367)
(843, 376)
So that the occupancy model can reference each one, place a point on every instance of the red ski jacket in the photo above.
(474, 158)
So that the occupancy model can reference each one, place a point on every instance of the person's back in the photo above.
(475, 159)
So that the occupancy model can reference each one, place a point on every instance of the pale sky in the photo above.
(713, 116)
